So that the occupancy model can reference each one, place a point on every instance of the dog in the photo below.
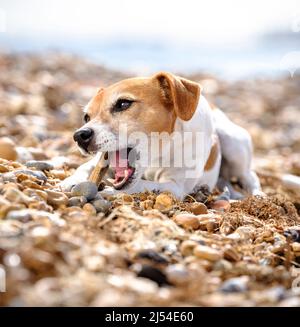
(172, 106)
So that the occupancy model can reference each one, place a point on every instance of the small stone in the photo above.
(235, 285)
(221, 205)
(39, 165)
(94, 263)
(86, 189)
(188, 221)
(198, 208)
(10, 228)
(59, 173)
(40, 232)
(163, 202)
(152, 256)
(90, 209)
(8, 149)
(102, 205)
(187, 247)
(146, 205)
(126, 198)
(223, 266)
(56, 199)
(9, 177)
(21, 215)
(154, 274)
(3, 169)
(207, 253)
(37, 174)
(77, 201)
(294, 234)
(296, 247)
(231, 254)
(177, 274)
(15, 195)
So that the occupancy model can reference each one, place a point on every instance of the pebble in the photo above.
(39, 165)
(235, 285)
(10, 228)
(21, 215)
(25, 215)
(163, 202)
(9, 177)
(37, 174)
(8, 149)
(296, 246)
(94, 263)
(59, 173)
(56, 198)
(90, 209)
(177, 274)
(152, 256)
(294, 234)
(187, 247)
(208, 253)
(40, 232)
(198, 208)
(102, 205)
(220, 205)
(87, 189)
(153, 273)
(77, 201)
(3, 169)
(231, 254)
(188, 221)
(223, 266)
(24, 154)
(146, 205)
(15, 195)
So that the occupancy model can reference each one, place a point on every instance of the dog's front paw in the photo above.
(67, 184)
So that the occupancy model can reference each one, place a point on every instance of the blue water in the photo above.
(254, 58)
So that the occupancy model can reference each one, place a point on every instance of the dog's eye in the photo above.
(122, 104)
(86, 118)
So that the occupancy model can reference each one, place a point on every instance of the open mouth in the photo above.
(120, 163)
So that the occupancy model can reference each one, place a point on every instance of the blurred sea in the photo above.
(259, 57)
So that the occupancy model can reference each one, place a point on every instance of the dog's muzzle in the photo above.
(83, 137)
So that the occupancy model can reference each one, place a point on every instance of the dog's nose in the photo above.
(83, 137)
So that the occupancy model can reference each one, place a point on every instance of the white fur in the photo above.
(236, 148)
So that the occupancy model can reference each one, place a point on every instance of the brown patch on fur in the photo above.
(180, 94)
(213, 154)
(158, 100)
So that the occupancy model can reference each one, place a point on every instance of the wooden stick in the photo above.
(100, 169)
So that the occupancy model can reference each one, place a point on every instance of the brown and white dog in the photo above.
(200, 144)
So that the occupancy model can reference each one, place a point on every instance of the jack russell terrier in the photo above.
(200, 145)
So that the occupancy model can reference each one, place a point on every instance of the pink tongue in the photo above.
(121, 166)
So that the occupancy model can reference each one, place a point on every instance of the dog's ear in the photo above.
(179, 94)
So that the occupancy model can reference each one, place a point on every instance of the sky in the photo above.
(191, 21)
(220, 36)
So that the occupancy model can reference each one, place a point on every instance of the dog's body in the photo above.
(204, 146)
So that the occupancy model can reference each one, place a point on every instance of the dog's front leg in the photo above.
(81, 174)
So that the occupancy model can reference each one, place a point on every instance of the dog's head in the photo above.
(132, 106)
